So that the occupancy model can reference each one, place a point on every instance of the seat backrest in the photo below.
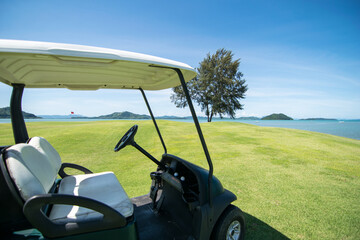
(33, 167)
(48, 150)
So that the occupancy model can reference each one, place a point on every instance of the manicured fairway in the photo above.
(290, 183)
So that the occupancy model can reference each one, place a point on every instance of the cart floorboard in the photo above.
(151, 225)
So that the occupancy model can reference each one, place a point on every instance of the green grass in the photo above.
(290, 183)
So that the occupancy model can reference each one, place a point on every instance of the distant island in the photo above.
(277, 116)
(315, 119)
(5, 113)
(248, 118)
(119, 115)
(124, 115)
(171, 117)
(69, 116)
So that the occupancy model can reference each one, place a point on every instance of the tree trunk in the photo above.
(211, 115)
(207, 113)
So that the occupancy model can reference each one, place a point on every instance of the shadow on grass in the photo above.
(258, 230)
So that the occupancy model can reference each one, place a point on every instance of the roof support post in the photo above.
(17, 118)
(153, 118)
(203, 143)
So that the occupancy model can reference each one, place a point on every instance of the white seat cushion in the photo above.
(44, 147)
(30, 170)
(103, 187)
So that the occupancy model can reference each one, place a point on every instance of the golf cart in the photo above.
(39, 200)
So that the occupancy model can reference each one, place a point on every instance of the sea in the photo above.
(342, 128)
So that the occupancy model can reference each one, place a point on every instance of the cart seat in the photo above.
(81, 203)
(103, 187)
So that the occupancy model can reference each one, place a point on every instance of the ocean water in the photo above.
(345, 128)
(342, 128)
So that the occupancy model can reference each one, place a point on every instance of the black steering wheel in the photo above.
(127, 139)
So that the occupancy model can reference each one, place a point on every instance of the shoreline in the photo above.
(342, 128)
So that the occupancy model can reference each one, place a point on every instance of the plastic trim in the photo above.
(32, 210)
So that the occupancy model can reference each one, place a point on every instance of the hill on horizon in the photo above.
(124, 115)
(5, 113)
(277, 116)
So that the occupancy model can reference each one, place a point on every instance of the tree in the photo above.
(217, 88)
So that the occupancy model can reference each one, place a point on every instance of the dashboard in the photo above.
(179, 176)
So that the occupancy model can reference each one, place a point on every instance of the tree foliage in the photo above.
(217, 88)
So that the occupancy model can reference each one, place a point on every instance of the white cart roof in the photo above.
(54, 65)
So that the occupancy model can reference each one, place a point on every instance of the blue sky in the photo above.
(301, 58)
